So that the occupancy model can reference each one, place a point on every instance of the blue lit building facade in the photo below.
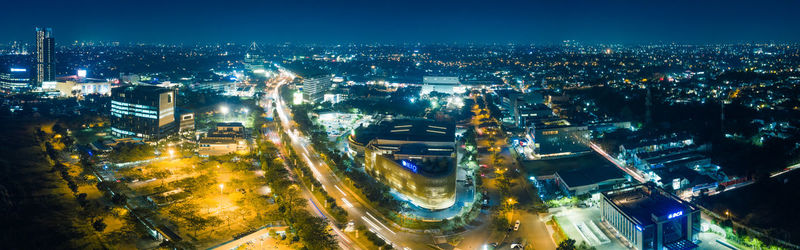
(15, 80)
(648, 217)
(146, 112)
(417, 159)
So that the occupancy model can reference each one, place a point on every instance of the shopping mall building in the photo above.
(416, 158)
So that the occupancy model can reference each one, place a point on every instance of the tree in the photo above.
(119, 199)
(99, 225)
(754, 242)
(313, 231)
(568, 244)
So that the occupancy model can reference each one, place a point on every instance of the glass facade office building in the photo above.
(146, 112)
(649, 217)
(15, 80)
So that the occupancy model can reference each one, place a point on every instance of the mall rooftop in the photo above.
(407, 130)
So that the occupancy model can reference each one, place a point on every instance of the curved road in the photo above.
(358, 210)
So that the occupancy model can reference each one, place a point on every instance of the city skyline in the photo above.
(355, 125)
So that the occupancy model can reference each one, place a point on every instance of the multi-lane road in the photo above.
(358, 210)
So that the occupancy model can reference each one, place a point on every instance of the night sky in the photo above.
(343, 21)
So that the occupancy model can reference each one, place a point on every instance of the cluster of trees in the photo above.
(310, 230)
(374, 191)
(127, 152)
(375, 239)
(339, 214)
(91, 210)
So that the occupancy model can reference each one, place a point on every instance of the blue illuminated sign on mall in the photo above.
(675, 214)
(409, 165)
(638, 228)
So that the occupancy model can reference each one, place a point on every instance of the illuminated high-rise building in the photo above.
(14, 80)
(45, 56)
(146, 112)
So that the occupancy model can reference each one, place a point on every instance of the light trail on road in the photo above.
(357, 208)
(614, 161)
(379, 222)
(346, 203)
(340, 190)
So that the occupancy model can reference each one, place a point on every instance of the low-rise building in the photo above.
(590, 179)
(228, 137)
(649, 217)
(76, 87)
(185, 120)
(441, 84)
(657, 143)
(556, 139)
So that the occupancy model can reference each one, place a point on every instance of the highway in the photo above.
(358, 210)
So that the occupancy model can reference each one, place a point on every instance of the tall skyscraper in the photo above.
(45, 56)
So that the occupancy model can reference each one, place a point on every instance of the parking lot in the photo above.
(584, 226)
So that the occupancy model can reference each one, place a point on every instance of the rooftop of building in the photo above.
(680, 157)
(423, 150)
(659, 139)
(407, 130)
(77, 79)
(589, 175)
(551, 166)
(230, 124)
(642, 201)
(669, 174)
(140, 89)
(217, 140)
(665, 152)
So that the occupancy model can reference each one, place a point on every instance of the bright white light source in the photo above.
(82, 73)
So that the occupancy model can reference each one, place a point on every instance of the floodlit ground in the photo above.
(337, 124)
(207, 201)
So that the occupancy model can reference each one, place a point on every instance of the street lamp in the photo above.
(221, 186)
(171, 153)
(510, 208)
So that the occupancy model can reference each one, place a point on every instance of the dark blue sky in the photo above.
(335, 21)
